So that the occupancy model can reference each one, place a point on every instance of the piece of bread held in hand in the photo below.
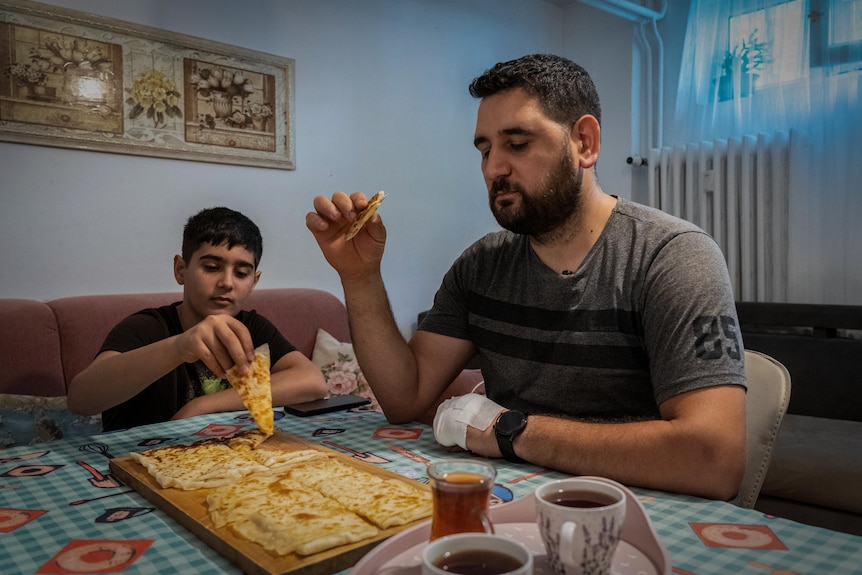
(255, 389)
(366, 214)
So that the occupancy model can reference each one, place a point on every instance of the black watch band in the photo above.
(509, 425)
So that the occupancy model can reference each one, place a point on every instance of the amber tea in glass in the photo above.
(461, 490)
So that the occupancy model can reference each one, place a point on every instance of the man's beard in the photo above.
(541, 212)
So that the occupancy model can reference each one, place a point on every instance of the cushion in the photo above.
(825, 372)
(819, 461)
(299, 312)
(30, 352)
(84, 321)
(28, 420)
(337, 361)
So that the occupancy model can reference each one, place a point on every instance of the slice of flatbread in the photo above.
(255, 389)
(277, 460)
(246, 440)
(312, 472)
(238, 501)
(303, 522)
(203, 464)
(365, 215)
(384, 502)
(285, 516)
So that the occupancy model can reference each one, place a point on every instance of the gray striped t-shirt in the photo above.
(649, 314)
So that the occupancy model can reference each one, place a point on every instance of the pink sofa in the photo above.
(46, 343)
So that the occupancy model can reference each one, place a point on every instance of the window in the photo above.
(769, 43)
(836, 32)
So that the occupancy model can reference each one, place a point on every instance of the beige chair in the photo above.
(766, 402)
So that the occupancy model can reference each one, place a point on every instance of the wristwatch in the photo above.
(508, 426)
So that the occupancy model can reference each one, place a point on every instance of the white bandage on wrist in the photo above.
(455, 414)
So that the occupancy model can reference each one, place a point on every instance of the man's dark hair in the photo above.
(564, 89)
(216, 226)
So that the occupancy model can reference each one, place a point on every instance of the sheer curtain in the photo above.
(752, 66)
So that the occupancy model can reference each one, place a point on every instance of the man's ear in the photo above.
(256, 279)
(586, 135)
(180, 269)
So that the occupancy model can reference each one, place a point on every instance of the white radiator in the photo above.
(736, 190)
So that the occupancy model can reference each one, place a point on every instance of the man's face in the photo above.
(533, 185)
(216, 280)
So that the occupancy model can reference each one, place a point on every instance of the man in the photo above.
(170, 362)
(605, 329)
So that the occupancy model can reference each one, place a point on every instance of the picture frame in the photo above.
(75, 80)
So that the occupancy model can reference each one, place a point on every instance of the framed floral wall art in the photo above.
(76, 80)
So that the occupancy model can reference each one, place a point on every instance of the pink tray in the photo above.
(640, 549)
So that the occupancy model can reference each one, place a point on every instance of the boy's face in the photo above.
(216, 280)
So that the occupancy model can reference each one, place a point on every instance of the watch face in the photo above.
(510, 422)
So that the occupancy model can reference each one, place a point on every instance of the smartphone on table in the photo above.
(320, 406)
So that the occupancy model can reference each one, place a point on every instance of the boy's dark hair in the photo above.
(565, 90)
(216, 226)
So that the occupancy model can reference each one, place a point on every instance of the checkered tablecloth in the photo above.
(66, 492)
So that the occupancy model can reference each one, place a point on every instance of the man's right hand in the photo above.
(329, 224)
(219, 341)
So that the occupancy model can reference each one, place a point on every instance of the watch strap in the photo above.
(505, 441)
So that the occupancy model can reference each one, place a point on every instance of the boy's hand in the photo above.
(220, 342)
(329, 223)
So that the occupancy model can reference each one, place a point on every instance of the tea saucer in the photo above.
(640, 551)
(627, 558)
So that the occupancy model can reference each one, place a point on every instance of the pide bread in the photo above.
(255, 389)
(366, 214)
(247, 440)
(285, 517)
(276, 460)
(204, 464)
(300, 501)
(385, 502)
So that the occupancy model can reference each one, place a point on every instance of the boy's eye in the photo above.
(242, 275)
(211, 268)
(518, 146)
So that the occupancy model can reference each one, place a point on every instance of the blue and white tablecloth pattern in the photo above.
(58, 497)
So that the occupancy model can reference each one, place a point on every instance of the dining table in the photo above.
(59, 499)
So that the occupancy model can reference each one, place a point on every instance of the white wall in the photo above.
(381, 103)
(602, 43)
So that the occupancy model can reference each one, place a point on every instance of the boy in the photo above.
(170, 362)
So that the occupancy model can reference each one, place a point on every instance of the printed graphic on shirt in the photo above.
(208, 381)
(715, 337)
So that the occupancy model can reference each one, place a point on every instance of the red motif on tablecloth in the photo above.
(411, 455)
(219, 430)
(32, 470)
(12, 519)
(773, 570)
(24, 457)
(99, 479)
(95, 556)
(737, 536)
(397, 433)
(364, 456)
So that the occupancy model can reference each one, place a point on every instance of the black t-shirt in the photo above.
(164, 397)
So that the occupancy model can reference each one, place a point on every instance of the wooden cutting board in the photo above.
(189, 509)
